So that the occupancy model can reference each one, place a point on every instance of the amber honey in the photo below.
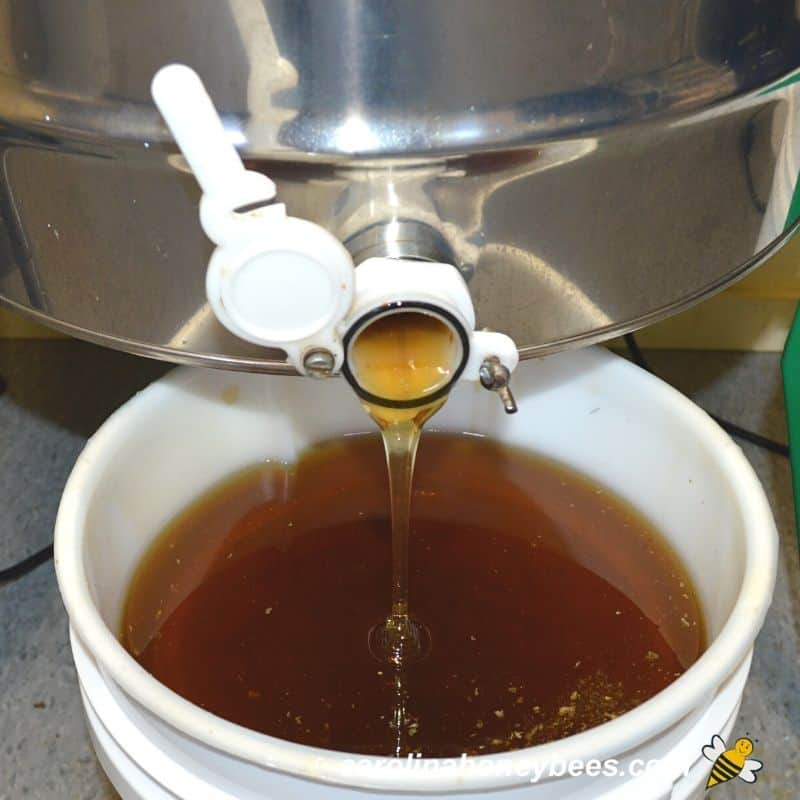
(551, 605)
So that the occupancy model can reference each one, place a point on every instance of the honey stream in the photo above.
(404, 358)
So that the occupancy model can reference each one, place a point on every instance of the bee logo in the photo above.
(733, 763)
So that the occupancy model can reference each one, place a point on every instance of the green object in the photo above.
(789, 80)
(794, 210)
(790, 362)
(790, 367)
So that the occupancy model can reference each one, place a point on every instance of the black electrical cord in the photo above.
(26, 565)
(16, 571)
(731, 427)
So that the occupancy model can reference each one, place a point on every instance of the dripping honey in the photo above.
(402, 362)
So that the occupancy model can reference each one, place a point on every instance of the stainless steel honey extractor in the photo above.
(588, 167)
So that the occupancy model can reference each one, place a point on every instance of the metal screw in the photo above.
(319, 363)
(494, 376)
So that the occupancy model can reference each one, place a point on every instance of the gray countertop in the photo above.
(58, 393)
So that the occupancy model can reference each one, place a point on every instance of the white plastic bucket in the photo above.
(588, 409)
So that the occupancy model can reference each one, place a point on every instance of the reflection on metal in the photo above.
(587, 172)
(400, 238)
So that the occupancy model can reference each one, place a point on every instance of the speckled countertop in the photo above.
(58, 393)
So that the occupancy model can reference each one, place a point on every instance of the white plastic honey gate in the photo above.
(284, 282)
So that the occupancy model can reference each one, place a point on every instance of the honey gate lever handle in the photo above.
(196, 126)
